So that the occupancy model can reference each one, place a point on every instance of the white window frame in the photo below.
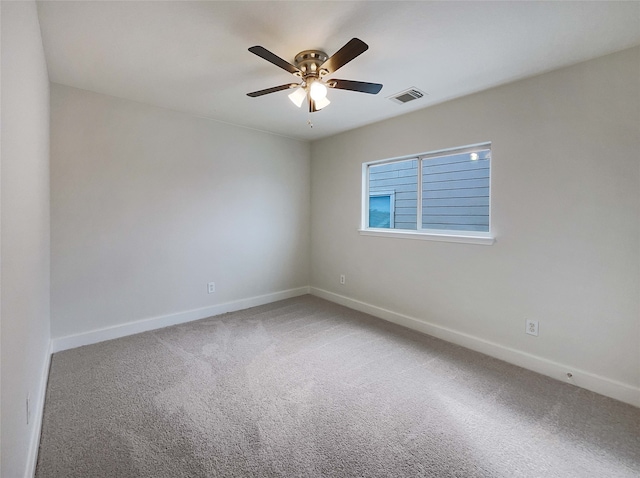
(468, 237)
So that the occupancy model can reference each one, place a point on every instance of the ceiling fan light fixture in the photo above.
(317, 91)
(321, 103)
(298, 96)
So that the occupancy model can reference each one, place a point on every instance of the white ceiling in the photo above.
(192, 56)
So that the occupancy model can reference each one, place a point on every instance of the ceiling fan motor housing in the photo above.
(309, 62)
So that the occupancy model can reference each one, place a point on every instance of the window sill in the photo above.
(466, 238)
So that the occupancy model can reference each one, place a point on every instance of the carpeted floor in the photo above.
(307, 388)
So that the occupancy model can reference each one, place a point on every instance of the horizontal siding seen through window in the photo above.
(465, 205)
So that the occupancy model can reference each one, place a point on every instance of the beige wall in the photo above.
(24, 237)
(565, 211)
(149, 205)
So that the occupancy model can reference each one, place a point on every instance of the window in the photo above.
(443, 194)
(382, 209)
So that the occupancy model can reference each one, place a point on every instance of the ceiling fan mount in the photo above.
(312, 66)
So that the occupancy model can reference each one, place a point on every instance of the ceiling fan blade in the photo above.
(344, 55)
(272, 90)
(361, 86)
(273, 58)
(312, 106)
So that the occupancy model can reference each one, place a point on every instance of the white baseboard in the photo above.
(117, 331)
(38, 413)
(596, 383)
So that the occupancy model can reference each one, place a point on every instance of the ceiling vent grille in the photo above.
(407, 95)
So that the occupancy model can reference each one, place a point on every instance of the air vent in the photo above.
(407, 95)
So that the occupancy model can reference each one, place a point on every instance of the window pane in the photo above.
(399, 181)
(455, 191)
(380, 211)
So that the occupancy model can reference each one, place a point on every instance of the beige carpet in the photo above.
(307, 388)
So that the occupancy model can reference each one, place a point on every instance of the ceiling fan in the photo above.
(312, 66)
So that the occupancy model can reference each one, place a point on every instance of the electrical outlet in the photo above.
(532, 327)
(343, 279)
(211, 287)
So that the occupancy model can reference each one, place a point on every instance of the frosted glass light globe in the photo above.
(318, 91)
(298, 96)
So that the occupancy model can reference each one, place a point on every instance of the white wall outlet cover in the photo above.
(211, 287)
(532, 327)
